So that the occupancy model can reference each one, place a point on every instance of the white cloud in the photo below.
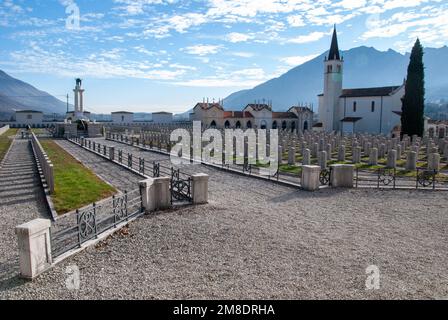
(296, 21)
(312, 37)
(236, 37)
(242, 54)
(297, 60)
(202, 50)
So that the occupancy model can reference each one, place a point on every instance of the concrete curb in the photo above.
(49, 201)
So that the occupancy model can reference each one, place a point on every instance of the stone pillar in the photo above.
(341, 153)
(434, 161)
(200, 188)
(399, 152)
(356, 155)
(411, 161)
(342, 175)
(280, 154)
(148, 195)
(310, 178)
(306, 157)
(382, 151)
(329, 151)
(315, 150)
(81, 100)
(322, 159)
(76, 101)
(392, 159)
(373, 157)
(34, 248)
(291, 156)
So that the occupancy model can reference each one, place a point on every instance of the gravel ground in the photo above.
(259, 240)
(21, 200)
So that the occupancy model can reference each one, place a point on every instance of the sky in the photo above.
(166, 55)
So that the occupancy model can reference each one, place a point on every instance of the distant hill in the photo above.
(19, 95)
(363, 67)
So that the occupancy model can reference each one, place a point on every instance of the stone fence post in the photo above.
(310, 178)
(34, 248)
(156, 194)
(200, 188)
(342, 175)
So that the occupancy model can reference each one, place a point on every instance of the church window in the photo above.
(355, 105)
(373, 106)
(339, 68)
(330, 69)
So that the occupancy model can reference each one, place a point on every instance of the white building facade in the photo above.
(29, 117)
(162, 117)
(364, 110)
(256, 116)
(122, 118)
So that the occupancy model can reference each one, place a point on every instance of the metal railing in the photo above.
(385, 178)
(96, 219)
(180, 183)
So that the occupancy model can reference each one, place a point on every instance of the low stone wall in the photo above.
(4, 129)
(44, 163)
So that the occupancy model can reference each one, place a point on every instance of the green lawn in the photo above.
(5, 142)
(75, 185)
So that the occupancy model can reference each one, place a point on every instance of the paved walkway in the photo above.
(21, 200)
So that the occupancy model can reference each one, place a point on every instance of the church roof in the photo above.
(283, 115)
(207, 105)
(259, 107)
(237, 114)
(369, 92)
(334, 49)
(351, 119)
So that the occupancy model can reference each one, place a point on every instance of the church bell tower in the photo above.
(333, 74)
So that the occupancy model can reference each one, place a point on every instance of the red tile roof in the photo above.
(237, 114)
(283, 115)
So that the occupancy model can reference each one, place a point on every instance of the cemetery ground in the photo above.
(254, 240)
(75, 185)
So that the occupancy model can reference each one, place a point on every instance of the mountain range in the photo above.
(19, 95)
(363, 67)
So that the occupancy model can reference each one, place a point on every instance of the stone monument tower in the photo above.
(79, 101)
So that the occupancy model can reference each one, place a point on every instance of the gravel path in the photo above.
(259, 240)
(21, 199)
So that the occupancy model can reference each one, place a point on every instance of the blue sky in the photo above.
(154, 55)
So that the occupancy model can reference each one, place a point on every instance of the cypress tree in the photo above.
(413, 109)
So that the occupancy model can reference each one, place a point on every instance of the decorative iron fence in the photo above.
(180, 185)
(246, 167)
(325, 177)
(94, 220)
(384, 178)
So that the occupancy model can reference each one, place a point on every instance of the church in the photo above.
(362, 110)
